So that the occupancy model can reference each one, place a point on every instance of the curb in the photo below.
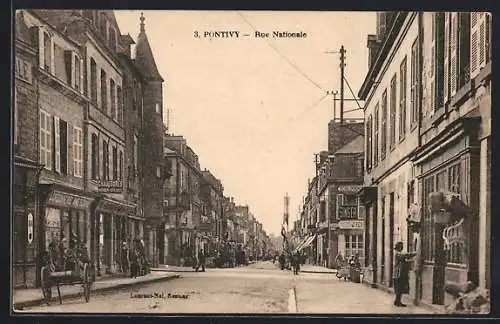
(37, 302)
(309, 271)
(292, 301)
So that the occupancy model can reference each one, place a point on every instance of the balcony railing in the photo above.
(348, 212)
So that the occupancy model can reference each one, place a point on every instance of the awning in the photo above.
(306, 243)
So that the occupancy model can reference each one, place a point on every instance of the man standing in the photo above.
(401, 273)
(201, 261)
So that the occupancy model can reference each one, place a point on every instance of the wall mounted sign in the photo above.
(349, 188)
(351, 224)
(110, 186)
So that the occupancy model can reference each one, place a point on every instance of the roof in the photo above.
(357, 145)
(22, 30)
(144, 55)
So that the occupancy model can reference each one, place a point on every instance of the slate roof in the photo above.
(144, 56)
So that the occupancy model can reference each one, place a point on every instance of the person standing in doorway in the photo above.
(401, 273)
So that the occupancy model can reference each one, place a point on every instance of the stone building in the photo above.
(27, 237)
(428, 129)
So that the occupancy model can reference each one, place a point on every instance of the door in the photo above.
(383, 247)
(373, 242)
(391, 237)
(160, 243)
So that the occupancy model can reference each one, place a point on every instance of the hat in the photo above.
(398, 246)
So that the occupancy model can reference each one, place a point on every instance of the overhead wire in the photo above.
(283, 56)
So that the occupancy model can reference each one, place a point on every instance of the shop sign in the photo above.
(351, 224)
(61, 199)
(348, 188)
(30, 228)
(110, 186)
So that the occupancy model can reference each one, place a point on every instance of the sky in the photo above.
(255, 110)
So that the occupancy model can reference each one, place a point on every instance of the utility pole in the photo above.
(335, 105)
(342, 64)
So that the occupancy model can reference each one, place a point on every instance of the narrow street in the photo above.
(258, 288)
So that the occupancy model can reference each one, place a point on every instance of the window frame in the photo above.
(402, 98)
(392, 113)
(45, 151)
(77, 142)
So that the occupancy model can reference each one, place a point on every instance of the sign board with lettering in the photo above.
(349, 188)
(351, 224)
(110, 186)
(30, 228)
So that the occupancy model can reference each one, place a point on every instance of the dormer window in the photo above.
(46, 50)
(158, 108)
(74, 68)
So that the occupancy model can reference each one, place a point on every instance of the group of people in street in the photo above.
(133, 258)
(63, 255)
(291, 260)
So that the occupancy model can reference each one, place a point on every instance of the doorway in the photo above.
(382, 243)
(391, 237)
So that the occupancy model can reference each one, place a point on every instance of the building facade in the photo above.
(428, 120)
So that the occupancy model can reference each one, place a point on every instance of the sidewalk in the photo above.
(345, 297)
(33, 296)
(171, 268)
(309, 268)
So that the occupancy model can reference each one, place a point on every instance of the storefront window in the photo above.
(354, 245)
(52, 226)
(456, 254)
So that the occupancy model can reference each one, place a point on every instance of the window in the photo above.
(119, 107)
(158, 172)
(61, 147)
(95, 157)
(359, 167)
(23, 70)
(47, 52)
(439, 72)
(392, 138)
(77, 152)
(114, 159)
(454, 178)
(480, 48)
(77, 80)
(16, 116)
(375, 140)
(322, 211)
(104, 92)
(93, 81)
(414, 86)
(453, 51)
(369, 143)
(136, 152)
(339, 201)
(402, 99)
(105, 160)
(463, 50)
(112, 39)
(120, 166)
(354, 245)
(112, 92)
(158, 108)
(383, 135)
(45, 140)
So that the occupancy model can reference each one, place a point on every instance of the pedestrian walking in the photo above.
(296, 263)
(201, 261)
(339, 260)
(401, 273)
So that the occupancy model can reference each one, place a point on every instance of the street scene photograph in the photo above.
(250, 162)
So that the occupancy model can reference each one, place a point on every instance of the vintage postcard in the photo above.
(249, 162)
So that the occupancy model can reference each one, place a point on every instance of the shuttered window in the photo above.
(45, 140)
(414, 86)
(392, 137)
(402, 99)
(453, 52)
(446, 57)
(480, 41)
(77, 152)
(376, 132)
(57, 145)
(383, 137)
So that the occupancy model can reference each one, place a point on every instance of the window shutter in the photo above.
(57, 145)
(432, 77)
(446, 66)
(82, 80)
(453, 52)
(474, 43)
(487, 18)
(75, 151)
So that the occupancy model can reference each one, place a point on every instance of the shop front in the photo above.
(65, 213)
(350, 238)
(25, 222)
(368, 198)
(449, 164)
(114, 223)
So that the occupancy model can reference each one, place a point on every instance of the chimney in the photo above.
(373, 47)
(381, 25)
